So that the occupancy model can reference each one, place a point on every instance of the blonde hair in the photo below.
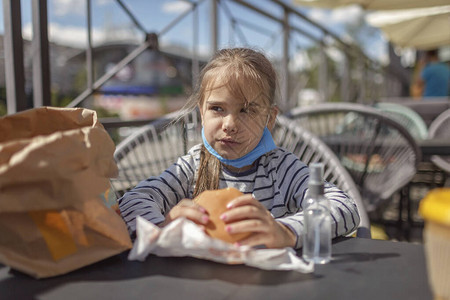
(234, 68)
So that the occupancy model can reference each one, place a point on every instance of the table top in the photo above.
(428, 147)
(360, 269)
(434, 146)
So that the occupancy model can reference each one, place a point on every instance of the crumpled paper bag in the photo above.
(54, 165)
(182, 237)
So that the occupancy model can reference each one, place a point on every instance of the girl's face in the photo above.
(233, 127)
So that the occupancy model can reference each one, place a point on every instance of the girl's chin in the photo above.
(231, 154)
(230, 157)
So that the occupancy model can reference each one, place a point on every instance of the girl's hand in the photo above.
(188, 209)
(246, 214)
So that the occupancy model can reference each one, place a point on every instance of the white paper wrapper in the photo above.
(184, 238)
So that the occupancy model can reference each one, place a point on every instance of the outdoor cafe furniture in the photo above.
(360, 269)
(379, 153)
(309, 148)
(428, 108)
(154, 147)
(406, 116)
(412, 114)
(440, 128)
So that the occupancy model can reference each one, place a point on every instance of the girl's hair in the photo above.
(244, 72)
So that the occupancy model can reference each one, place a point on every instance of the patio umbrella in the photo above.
(374, 4)
(422, 24)
(424, 28)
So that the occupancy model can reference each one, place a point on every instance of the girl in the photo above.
(236, 100)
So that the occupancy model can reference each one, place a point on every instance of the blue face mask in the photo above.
(265, 145)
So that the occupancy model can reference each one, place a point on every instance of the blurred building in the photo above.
(153, 84)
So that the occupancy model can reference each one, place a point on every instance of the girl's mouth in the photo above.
(228, 142)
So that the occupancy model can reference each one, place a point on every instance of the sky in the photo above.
(67, 24)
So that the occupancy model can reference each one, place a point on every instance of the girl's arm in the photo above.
(287, 180)
(344, 214)
(154, 197)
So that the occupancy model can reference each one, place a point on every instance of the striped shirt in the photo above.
(279, 180)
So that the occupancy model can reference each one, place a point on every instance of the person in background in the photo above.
(235, 96)
(434, 78)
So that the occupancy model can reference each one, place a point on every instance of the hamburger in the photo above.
(215, 203)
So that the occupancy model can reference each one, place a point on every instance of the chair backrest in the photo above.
(153, 147)
(440, 128)
(309, 149)
(411, 120)
(428, 109)
(379, 153)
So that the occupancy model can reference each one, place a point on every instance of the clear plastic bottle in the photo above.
(317, 237)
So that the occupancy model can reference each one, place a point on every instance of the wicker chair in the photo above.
(154, 147)
(309, 148)
(379, 153)
(151, 149)
(440, 128)
(411, 120)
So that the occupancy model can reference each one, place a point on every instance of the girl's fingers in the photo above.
(251, 225)
(271, 235)
(194, 215)
(245, 207)
(242, 213)
(190, 203)
(190, 210)
(243, 200)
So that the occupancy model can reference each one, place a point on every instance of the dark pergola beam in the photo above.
(214, 15)
(14, 67)
(89, 51)
(41, 63)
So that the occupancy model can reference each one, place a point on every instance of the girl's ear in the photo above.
(272, 117)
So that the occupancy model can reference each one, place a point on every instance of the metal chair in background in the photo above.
(411, 120)
(428, 110)
(427, 173)
(378, 152)
(440, 128)
(152, 148)
(309, 149)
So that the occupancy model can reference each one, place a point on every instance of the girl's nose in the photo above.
(230, 123)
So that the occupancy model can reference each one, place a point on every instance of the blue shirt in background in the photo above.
(437, 77)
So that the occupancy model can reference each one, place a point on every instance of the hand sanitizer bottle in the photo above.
(317, 236)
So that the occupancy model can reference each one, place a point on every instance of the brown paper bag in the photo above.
(54, 165)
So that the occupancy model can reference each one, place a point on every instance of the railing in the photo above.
(355, 82)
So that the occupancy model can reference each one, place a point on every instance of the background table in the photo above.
(434, 147)
(360, 269)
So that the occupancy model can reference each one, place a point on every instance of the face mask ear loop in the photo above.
(268, 115)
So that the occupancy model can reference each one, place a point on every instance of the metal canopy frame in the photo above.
(16, 98)
(14, 68)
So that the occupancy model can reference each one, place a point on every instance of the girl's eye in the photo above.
(249, 110)
(215, 108)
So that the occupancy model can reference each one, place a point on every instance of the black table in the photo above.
(428, 147)
(360, 269)
(434, 147)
